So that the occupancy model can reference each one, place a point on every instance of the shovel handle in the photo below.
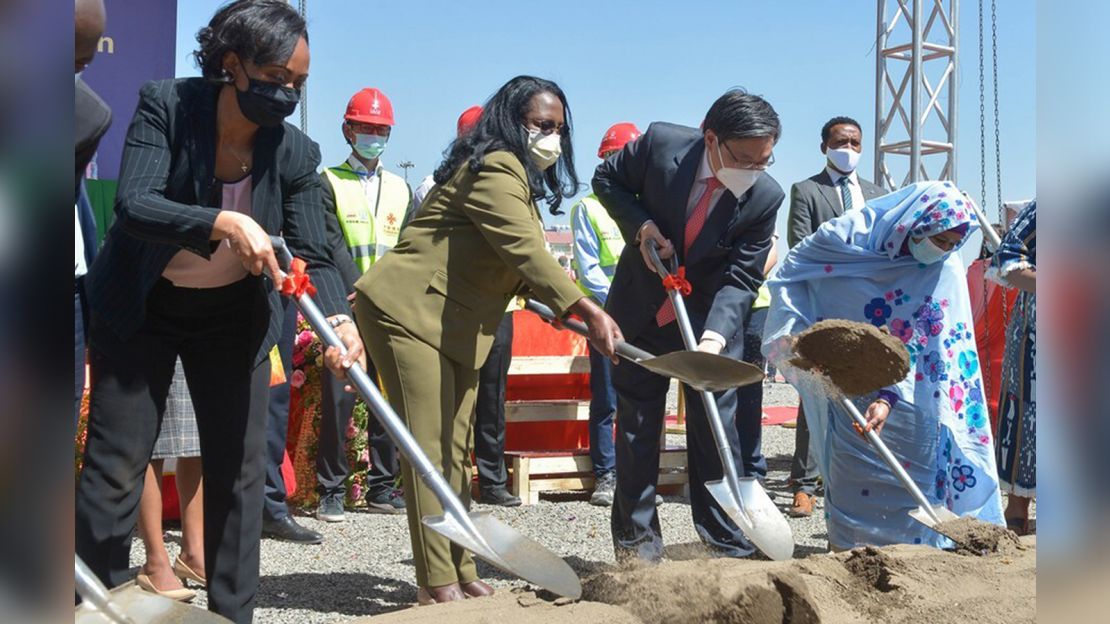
(92, 590)
(994, 241)
(653, 252)
(624, 349)
(890, 459)
(377, 404)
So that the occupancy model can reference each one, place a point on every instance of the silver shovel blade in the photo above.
(501, 545)
(942, 513)
(758, 517)
(704, 371)
(144, 607)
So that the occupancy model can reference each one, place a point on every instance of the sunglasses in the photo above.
(547, 126)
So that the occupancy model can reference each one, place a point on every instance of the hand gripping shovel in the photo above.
(704, 371)
(485, 536)
(926, 513)
(128, 604)
(743, 499)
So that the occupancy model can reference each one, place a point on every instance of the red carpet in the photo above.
(775, 416)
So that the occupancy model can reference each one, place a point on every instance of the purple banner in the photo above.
(138, 45)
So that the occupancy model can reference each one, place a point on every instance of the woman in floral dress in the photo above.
(893, 264)
(1015, 264)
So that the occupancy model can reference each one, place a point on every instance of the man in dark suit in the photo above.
(830, 193)
(703, 197)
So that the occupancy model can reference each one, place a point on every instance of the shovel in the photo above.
(926, 513)
(994, 241)
(704, 371)
(743, 499)
(480, 533)
(128, 604)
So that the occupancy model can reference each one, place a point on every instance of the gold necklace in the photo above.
(242, 163)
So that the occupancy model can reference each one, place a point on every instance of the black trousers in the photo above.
(277, 426)
(218, 334)
(332, 469)
(641, 401)
(489, 409)
(749, 400)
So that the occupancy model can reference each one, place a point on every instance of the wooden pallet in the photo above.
(534, 472)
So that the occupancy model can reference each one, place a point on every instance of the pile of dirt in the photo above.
(901, 583)
(975, 537)
(856, 357)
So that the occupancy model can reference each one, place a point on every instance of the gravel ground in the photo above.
(364, 566)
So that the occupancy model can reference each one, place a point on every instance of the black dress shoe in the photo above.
(288, 530)
(498, 496)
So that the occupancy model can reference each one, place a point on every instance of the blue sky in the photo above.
(640, 61)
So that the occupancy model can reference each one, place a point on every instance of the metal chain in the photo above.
(302, 8)
(982, 117)
(997, 135)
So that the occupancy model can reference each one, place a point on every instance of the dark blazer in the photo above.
(167, 198)
(815, 200)
(651, 179)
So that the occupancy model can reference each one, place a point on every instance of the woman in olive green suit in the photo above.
(428, 310)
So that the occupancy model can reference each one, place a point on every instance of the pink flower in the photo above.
(356, 491)
(364, 456)
(298, 358)
(304, 338)
(297, 378)
(352, 430)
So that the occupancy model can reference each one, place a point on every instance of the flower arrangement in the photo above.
(305, 409)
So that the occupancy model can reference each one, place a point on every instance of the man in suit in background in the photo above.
(702, 196)
(828, 194)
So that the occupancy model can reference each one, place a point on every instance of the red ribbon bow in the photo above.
(677, 281)
(297, 282)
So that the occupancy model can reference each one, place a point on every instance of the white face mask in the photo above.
(544, 149)
(736, 180)
(926, 251)
(844, 158)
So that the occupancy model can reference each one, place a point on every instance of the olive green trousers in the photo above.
(434, 396)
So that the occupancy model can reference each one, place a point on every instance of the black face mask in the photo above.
(267, 104)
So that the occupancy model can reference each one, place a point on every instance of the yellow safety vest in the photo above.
(610, 243)
(369, 234)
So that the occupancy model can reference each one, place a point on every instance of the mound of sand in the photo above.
(856, 357)
(900, 583)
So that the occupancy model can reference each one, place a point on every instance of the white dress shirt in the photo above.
(371, 181)
(853, 187)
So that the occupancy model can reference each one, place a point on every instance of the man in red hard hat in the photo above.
(597, 247)
(367, 206)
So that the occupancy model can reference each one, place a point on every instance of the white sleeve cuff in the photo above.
(714, 336)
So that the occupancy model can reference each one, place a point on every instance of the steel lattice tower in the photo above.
(916, 91)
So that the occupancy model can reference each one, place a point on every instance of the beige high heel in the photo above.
(181, 595)
(185, 573)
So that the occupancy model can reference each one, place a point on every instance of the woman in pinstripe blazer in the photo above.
(209, 170)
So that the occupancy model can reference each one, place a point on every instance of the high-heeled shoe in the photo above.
(185, 573)
(433, 595)
(476, 589)
(181, 595)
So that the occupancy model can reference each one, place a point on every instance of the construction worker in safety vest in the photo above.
(366, 207)
(597, 247)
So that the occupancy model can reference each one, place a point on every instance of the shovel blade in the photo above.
(757, 516)
(942, 513)
(144, 607)
(504, 547)
(704, 371)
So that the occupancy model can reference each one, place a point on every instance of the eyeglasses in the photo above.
(747, 164)
(547, 126)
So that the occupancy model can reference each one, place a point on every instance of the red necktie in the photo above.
(694, 224)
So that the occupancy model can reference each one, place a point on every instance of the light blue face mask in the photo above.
(370, 146)
(926, 251)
